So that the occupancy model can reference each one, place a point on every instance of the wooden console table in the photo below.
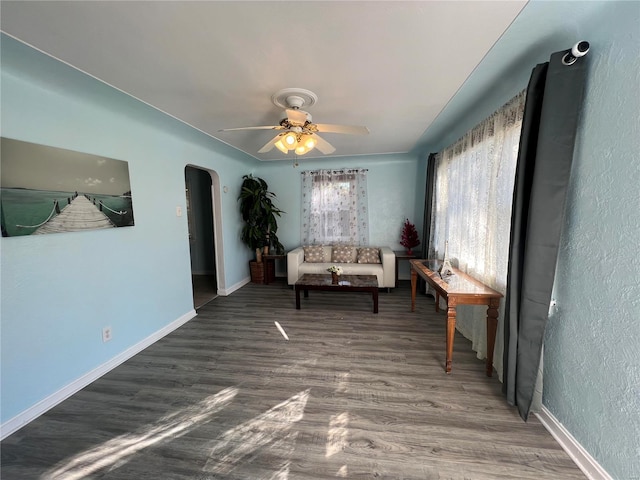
(458, 289)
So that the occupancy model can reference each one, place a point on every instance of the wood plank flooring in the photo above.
(352, 394)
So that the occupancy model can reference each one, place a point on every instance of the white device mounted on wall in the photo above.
(580, 49)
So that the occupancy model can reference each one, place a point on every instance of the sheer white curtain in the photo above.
(335, 207)
(472, 211)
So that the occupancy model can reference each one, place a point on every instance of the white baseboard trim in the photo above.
(223, 292)
(31, 413)
(578, 454)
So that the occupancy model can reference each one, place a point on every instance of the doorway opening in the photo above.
(203, 212)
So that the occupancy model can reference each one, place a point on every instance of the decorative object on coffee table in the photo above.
(409, 237)
(335, 271)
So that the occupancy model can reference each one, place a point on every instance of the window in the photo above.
(472, 210)
(335, 207)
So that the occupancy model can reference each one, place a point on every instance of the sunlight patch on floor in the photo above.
(337, 434)
(343, 382)
(118, 450)
(272, 430)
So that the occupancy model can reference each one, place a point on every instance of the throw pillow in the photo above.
(342, 253)
(314, 254)
(368, 255)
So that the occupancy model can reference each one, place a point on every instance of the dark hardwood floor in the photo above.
(352, 394)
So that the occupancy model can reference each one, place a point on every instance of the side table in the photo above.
(402, 255)
(270, 266)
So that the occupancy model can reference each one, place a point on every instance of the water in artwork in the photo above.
(24, 210)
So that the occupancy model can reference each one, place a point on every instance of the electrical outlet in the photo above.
(106, 334)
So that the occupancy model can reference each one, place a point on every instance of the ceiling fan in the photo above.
(298, 132)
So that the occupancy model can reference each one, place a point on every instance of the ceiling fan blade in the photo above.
(348, 129)
(269, 145)
(264, 127)
(322, 145)
(298, 117)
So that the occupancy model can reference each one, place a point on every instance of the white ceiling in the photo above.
(389, 65)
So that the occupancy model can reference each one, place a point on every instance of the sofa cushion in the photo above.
(368, 255)
(314, 254)
(343, 253)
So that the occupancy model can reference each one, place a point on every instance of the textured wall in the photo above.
(592, 345)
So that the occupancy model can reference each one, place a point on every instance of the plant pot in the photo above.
(334, 278)
(257, 271)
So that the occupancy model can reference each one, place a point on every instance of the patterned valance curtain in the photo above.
(471, 210)
(335, 207)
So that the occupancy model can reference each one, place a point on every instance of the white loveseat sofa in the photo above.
(297, 265)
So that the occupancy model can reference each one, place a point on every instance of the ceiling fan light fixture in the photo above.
(290, 140)
(297, 132)
(309, 142)
(280, 146)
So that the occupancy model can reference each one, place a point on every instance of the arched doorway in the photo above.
(203, 212)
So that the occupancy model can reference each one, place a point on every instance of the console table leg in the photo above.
(297, 298)
(451, 330)
(492, 327)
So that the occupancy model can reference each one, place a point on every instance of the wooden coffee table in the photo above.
(347, 283)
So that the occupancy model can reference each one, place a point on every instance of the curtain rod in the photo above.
(334, 172)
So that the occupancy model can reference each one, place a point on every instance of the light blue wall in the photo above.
(592, 344)
(59, 291)
(394, 182)
(591, 356)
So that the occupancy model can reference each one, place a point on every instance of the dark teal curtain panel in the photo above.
(553, 105)
(428, 205)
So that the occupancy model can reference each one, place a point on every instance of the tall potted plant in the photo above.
(260, 225)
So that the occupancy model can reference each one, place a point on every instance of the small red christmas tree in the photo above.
(409, 237)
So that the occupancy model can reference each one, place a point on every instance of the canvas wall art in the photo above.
(52, 190)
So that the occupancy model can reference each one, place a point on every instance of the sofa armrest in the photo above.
(294, 259)
(388, 259)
